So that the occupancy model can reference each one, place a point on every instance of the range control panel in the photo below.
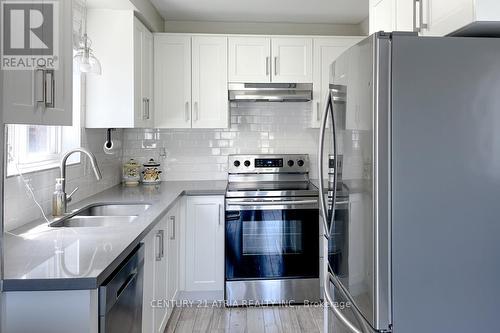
(286, 163)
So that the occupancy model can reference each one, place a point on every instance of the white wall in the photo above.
(263, 28)
(365, 27)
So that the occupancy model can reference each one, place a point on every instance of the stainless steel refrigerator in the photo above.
(416, 121)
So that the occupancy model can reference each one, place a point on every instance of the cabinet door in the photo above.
(61, 113)
(25, 90)
(445, 16)
(205, 244)
(326, 51)
(173, 254)
(249, 59)
(161, 275)
(382, 15)
(292, 60)
(143, 75)
(149, 282)
(209, 82)
(172, 77)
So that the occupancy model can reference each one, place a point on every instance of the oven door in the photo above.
(271, 238)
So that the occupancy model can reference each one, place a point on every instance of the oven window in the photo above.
(272, 237)
(272, 244)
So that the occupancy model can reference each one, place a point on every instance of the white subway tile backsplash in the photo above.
(199, 154)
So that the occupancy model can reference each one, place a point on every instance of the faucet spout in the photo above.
(59, 205)
(90, 155)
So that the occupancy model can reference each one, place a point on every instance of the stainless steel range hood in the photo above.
(270, 92)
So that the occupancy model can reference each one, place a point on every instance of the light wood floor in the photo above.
(246, 320)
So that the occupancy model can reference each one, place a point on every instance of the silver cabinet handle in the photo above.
(50, 89)
(148, 114)
(418, 5)
(275, 65)
(196, 112)
(318, 112)
(220, 214)
(40, 82)
(267, 66)
(172, 218)
(161, 251)
(188, 113)
(144, 116)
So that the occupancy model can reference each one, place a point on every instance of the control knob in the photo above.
(236, 163)
(290, 163)
(300, 163)
(247, 163)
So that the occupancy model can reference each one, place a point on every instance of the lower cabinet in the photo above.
(160, 273)
(204, 245)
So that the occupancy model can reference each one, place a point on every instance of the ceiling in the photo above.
(279, 11)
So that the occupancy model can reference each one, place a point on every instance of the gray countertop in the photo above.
(39, 257)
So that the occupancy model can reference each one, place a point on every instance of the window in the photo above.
(34, 147)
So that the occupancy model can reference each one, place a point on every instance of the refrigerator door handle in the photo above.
(330, 277)
(323, 207)
(334, 190)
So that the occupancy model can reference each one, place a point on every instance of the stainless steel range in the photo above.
(272, 228)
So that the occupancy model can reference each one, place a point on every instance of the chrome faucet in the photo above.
(60, 199)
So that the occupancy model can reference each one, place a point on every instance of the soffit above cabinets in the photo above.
(278, 11)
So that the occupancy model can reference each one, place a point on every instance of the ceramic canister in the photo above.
(151, 172)
(131, 172)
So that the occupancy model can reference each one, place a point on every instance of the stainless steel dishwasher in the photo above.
(120, 297)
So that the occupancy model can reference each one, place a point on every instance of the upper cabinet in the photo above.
(209, 82)
(435, 17)
(391, 15)
(122, 96)
(292, 59)
(172, 81)
(249, 59)
(191, 81)
(326, 51)
(263, 59)
(42, 95)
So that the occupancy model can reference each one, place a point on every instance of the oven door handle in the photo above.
(271, 203)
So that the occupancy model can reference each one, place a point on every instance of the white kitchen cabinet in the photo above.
(154, 317)
(173, 254)
(249, 59)
(204, 243)
(270, 59)
(42, 96)
(191, 81)
(292, 59)
(391, 15)
(121, 97)
(143, 75)
(434, 17)
(326, 50)
(441, 17)
(172, 81)
(209, 82)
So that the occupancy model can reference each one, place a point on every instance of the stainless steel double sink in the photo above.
(102, 215)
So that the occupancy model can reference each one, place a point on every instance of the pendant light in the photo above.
(84, 59)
